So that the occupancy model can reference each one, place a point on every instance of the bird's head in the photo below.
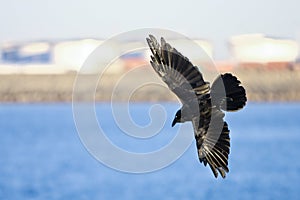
(177, 118)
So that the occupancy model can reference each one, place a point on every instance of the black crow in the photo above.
(201, 104)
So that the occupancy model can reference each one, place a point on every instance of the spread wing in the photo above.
(212, 139)
(181, 76)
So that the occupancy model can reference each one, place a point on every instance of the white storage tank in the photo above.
(256, 48)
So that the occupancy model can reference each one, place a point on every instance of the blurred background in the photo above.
(43, 45)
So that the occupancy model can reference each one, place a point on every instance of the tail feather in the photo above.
(234, 97)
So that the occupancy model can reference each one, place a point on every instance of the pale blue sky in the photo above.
(213, 20)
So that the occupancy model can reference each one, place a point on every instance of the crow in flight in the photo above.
(201, 104)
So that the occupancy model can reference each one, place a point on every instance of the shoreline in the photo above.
(260, 85)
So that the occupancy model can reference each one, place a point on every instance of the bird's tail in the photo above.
(234, 96)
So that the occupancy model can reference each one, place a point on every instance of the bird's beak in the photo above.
(174, 122)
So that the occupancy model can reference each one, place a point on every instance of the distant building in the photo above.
(257, 50)
(31, 52)
(134, 59)
(70, 55)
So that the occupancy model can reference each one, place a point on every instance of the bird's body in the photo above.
(202, 104)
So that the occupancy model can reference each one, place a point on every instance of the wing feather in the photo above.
(181, 76)
(212, 138)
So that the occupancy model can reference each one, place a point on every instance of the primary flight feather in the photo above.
(201, 104)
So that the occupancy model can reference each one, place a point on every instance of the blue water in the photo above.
(42, 157)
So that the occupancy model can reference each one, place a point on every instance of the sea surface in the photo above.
(42, 156)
